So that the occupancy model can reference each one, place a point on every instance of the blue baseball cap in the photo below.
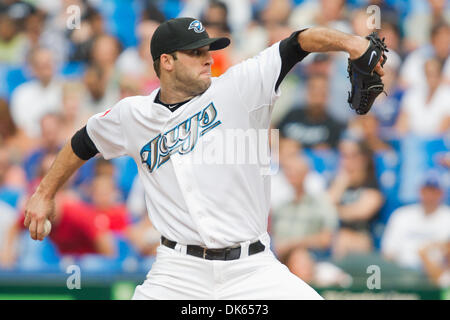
(432, 180)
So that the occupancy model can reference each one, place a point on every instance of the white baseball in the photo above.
(47, 227)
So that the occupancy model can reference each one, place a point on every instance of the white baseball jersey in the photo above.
(211, 205)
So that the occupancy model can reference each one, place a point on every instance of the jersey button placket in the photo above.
(186, 182)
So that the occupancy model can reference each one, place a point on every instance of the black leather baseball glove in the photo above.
(366, 84)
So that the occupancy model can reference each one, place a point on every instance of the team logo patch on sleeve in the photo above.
(197, 26)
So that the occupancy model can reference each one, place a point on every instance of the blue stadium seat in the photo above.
(36, 256)
(387, 167)
(121, 17)
(126, 171)
(418, 155)
(413, 164)
(124, 248)
(73, 70)
(95, 263)
(4, 94)
(171, 8)
(325, 162)
(49, 253)
(15, 77)
(434, 147)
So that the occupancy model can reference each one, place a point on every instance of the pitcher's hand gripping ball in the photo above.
(366, 84)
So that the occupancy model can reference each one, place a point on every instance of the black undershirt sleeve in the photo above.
(82, 145)
(290, 52)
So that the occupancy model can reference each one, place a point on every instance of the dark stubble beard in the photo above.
(191, 87)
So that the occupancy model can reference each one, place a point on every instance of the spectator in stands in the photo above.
(99, 95)
(412, 227)
(8, 216)
(330, 14)
(152, 12)
(311, 125)
(13, 138)
(356, 194)
(363, 23)
(436, 261)
(216, 15)
(321, 65)
(275, 12)
(130, 85)
(270, 18)
(317, 273)
(82, 38)
(33, 28)
(104, 167)
(322, 12)
(359, 20)
(12, 179)
(143, 236)
(417, 26)
(102, 77)
(10, 194)
(73, 114)
(141, 233)
(137, 61)
(390, 31)
(412, 74)
(306, 222)
(282, 191)
(387, 9)
(239, 12)
(444, 159)
(104, 53)
(50, 142)
(12, 42)
(98, 166)
(108, 213)
(215, 20)
(386, 107)
(52, 25)
(75, 230)
(425, 110)
(368, 127)
(33, 99)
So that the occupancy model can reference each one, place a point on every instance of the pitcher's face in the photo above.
(193, 70)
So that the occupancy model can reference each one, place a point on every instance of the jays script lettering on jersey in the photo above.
(182, 138)
(212, 205)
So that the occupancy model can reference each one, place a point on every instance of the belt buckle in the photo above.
(204, 253)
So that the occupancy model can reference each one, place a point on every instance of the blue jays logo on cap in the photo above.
(197, 26)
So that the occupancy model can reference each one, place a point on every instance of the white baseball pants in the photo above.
(177, 276)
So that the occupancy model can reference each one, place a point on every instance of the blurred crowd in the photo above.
(347, 184)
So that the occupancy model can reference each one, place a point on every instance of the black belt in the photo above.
(231, 253)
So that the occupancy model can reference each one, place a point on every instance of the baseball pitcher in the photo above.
(213, 218)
